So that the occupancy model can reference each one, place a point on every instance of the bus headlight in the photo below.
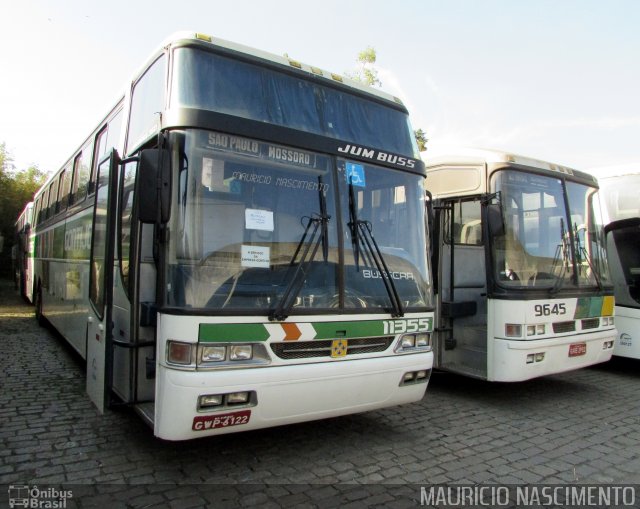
(513, 330)
(240, 352)
(180, 353)
(423, 339)
(210, 401)
(237, 398)
(413, 342)
(213, 353)
(231, 355)
(408, 341)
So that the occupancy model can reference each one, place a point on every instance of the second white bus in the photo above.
(519, 258)
(620, 188)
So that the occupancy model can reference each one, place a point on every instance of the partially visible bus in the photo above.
(620, 194)
(241, 243)
(522, 283)
(23, 261)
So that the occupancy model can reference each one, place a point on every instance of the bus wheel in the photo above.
(38, 306)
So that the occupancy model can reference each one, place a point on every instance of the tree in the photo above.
(16, 190)
(366, 72)
(421, 138)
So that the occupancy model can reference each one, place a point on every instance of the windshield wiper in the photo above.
(283, 308)
(561, 251)
(580, 252)
(361, 233)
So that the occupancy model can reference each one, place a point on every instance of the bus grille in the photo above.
(591, 323)
(322, 348)
(560, 327)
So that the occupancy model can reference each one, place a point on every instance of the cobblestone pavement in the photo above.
(578, 427)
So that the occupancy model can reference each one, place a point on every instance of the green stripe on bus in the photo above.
(339, 330)
(588, 307)
(582, 308)
(596, 306)
(221, 332)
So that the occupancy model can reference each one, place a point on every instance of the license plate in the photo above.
(577, 349)
(206, 422)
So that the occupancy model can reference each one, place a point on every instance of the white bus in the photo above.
(520, 270)
(241, 243)
(620, 194)
(23, 261)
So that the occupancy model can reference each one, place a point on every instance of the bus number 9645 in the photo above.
(548, 309)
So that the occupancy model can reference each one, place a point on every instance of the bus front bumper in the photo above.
(515, 361)
(283, 394)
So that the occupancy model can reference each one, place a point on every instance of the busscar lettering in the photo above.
(376, 155)
(375, 274)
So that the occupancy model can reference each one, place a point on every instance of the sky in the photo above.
(556, 80)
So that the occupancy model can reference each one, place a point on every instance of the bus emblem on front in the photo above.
(339, 348)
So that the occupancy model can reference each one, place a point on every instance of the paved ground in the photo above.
(579, 427)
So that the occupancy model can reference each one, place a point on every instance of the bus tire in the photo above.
(38, 305)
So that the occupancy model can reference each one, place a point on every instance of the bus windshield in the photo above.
(257, 226)
(213, 82)
(553, 233)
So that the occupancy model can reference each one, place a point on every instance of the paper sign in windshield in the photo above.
(256, 219)
(255, 256)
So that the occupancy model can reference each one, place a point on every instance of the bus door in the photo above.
(99, 321)
(133, 301)
(462, 294)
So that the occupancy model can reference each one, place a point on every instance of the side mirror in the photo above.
(430, 217)
(495, 220)
(153, 186)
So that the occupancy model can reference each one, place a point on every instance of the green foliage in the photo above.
(16, 190)
(421, 138)
(366, 72)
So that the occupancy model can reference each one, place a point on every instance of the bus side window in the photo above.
(113, 131)
(467, 225)
(100, 149)
(44, 203)
(36, 212)
(53, 199)
(126, 214)
(64, 187)
(146, 101)
(81, 175)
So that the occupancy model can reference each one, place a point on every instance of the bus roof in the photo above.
(470, 155)
(617, 170)
(272, 58)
